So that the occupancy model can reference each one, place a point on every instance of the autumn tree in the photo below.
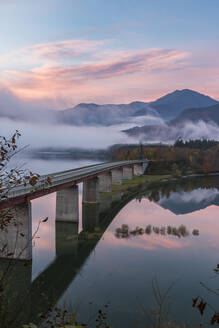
(11, 177)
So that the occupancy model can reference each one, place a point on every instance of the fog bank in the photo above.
(46, 135)
(164, 133)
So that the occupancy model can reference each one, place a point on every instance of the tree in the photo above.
(10, 178)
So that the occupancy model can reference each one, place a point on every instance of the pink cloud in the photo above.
(64, 49)
(145, 242)
(120, 63)
(49, 53)
(87, 78)
(59, 74)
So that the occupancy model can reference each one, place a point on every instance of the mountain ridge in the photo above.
(187, 124)
(167, 107)
(206, 114)
(172, 104)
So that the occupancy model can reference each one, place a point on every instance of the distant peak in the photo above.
(185, 91)
(191, 91)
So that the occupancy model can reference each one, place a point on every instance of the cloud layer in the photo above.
(46, 135)
(68, 72)
(65, 73)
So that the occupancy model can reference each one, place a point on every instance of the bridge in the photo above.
(72, 252)
(96, 179)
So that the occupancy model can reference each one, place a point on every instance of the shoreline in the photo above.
(151, 179)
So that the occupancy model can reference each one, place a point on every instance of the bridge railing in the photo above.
(59, 178)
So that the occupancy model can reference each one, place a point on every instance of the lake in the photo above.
(131, 271)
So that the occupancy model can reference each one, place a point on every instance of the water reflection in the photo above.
(125, 232)
(78, 263)
(186, 196)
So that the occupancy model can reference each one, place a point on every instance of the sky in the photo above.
(56, 53)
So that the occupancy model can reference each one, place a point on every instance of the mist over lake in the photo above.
(109, 164)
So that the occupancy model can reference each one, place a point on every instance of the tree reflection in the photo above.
(182, 231)
(155, 193)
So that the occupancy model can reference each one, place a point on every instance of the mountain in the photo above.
(136, 113)
(167, 107)
(206, 114)
(174, 103)
(110, 114)
(168, 133)
(154, 133)
(192, 123)
(181, 202)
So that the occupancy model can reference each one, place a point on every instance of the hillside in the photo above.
(110, 114)
(136, 113)
(206, 114)
(168, 107)
(172, 104)
(154, 133)
(191, 123)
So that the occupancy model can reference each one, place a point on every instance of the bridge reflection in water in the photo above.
(74, 248)
(17, 242)
(99, 208)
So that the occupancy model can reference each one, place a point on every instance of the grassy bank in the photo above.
(137, 181)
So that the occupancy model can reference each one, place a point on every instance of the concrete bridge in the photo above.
(96, 179)
(72, 251)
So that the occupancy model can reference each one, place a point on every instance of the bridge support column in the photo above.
(16, 243)
(127, 173)
(66, 238)
(117, 176)
(138, 169)
(67, 209)
(91, 191)
(105, 202)
(105, 182)
(90, 216)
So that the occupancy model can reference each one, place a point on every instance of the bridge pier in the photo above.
(90, 216)
(127, 173)
(138, 169)
(66, 238)
(105, 182)
(91, 191)
(105, 202)
(117, 175)
(16, 243)
(67, 209)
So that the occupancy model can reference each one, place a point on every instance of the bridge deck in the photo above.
(61, 180)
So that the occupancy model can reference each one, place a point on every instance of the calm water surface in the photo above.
(122, 270)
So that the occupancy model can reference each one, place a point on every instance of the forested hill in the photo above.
(178, 127)
(206, 114)
(200, 156)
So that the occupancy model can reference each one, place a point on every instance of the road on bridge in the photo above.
(61, 180)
